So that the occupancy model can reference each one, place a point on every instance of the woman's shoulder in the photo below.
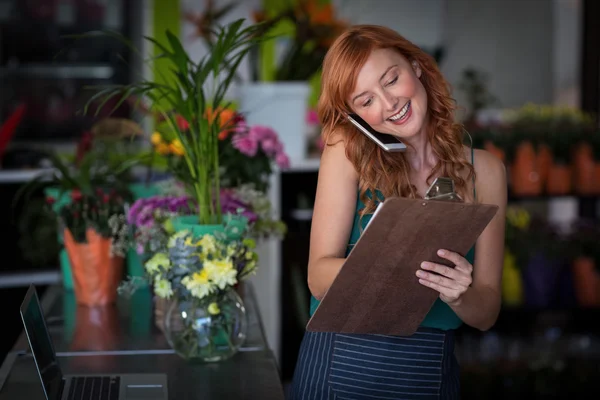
(490, 173)
(487, 163)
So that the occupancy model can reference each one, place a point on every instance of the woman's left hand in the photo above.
(451, 283)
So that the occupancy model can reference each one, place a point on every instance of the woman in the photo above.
(397, 89)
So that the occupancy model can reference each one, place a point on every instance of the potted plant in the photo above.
(191, 104)
(527, 168)
(100, 163)
(95, 238)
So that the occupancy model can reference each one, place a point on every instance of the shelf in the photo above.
(20, 176)
(306, 165)
(302, 214)
(98, 71)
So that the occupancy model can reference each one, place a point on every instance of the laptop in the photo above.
(57, 386)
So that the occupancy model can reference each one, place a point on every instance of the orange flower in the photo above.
(163, 148)
(176, 147)
(227, 121)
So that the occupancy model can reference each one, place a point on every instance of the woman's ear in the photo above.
(416, 68)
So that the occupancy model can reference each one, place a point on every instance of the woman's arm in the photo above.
(480, 305)
(333, 215)
(474, 292)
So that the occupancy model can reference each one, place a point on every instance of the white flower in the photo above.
(163, 288)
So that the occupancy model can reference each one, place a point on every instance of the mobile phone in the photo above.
(383, 140)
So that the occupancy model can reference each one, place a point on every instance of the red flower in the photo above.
(50, 200)
(76, 195)
(182, 123)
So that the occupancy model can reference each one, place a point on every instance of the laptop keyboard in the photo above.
(94, 388)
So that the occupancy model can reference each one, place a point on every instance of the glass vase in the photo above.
(207, 330)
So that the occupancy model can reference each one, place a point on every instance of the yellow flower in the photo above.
(198, 284)
(157, 261)
(200, 278)
(163, 288)
(213, 309)
(156, 138)
(176, 147)
(208, 244)
(163, 148)
(221, 272)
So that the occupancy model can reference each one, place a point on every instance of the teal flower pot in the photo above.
(233, 226)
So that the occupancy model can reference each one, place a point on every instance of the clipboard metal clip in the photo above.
(442, 189)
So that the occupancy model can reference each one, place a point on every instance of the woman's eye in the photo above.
(392, 81)
(367, 103)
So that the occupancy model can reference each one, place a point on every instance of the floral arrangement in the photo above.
(199, 269)
(246, 153)
(206, 319)
(104, 212)
(191, 108)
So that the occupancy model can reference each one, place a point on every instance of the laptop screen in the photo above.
(41, 344)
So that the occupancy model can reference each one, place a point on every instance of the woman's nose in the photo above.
(391, 102)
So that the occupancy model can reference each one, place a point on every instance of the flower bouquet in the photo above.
(206, 320)
(95, 237)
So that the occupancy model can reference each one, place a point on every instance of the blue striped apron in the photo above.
(339, 366)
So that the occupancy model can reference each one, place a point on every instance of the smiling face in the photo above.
(389, 95)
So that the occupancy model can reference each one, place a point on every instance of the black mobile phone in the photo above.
(383, 140)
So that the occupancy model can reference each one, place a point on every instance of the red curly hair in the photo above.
(378, 169)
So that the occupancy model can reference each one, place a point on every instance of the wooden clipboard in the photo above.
(377, 290)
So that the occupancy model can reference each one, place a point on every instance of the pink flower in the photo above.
(271, 146)
(261, 132)
(282, 160)
(246, 144)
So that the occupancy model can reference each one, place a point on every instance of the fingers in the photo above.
(459, 261)
(446, 294)
(439, 280)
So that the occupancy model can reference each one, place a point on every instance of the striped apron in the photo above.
(339, 366)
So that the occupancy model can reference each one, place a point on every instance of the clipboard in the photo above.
(377, 290)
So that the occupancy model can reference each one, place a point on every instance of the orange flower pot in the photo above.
(524, 173)
(544, 160)
(583, 169)
(96, 273)
(559, 179)
(586, 281)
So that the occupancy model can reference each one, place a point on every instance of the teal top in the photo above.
(440, 316)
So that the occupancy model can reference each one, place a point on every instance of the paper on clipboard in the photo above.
(376, 290)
